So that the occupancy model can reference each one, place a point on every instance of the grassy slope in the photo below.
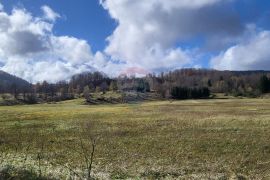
(184, 139)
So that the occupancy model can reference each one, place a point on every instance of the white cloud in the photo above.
(148, 31)
(21, 34)
(149, 37)
(30, 50)
(75, 50)
(251, 54)
(49, 14)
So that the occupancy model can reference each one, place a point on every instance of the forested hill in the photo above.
(9, 82)
(249, 72)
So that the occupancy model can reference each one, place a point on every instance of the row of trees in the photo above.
(189, 93)
(237, 83)
(179, 84)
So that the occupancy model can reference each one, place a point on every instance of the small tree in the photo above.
(63, 93)
(79, 89)
(104, 87)
(113, 86)
(143, 86)
(86, 92)
(98, 89)
(91, 87)
(147, 87)
(15, 90)
(209, 83)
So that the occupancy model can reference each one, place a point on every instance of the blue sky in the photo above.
(53, 40)
(85, 19)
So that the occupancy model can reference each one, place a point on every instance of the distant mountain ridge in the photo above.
(247, 72)
(8, 81)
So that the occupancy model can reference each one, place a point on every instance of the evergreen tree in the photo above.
(264, 84)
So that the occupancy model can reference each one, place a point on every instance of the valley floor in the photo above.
(193, 139)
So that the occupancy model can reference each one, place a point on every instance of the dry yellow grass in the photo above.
(199, 139)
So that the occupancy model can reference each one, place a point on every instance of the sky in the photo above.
(53, 40)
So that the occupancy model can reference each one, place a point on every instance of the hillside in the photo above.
(8, 82)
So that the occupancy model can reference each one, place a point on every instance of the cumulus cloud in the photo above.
(21, 34)
(148, 31)
(77, 51)
(251, 54)
(150, 36)
(30, 50)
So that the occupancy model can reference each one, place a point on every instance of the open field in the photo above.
(204, 139)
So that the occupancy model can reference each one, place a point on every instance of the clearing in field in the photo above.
(204, 139)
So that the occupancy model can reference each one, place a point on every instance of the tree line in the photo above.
(178, 84)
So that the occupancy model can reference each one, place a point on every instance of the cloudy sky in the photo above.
(53, 40)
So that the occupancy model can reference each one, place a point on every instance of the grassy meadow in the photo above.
(193, 139)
